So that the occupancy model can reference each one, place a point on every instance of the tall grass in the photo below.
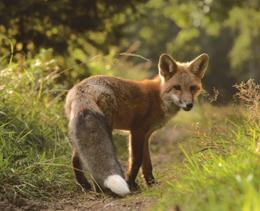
(221, 170)
(34, 150)
(34, 147)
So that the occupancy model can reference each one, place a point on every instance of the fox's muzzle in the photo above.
(188, 107)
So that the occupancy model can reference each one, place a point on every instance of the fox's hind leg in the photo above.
(78, 171)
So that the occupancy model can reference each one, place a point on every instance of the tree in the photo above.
(228, 30)
(43, 23)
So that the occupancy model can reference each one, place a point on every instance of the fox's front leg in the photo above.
(147, 168)
(136, 143)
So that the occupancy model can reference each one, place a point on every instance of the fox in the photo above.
(99, 104)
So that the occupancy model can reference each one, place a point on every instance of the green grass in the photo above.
(221, 169)
(34, 150)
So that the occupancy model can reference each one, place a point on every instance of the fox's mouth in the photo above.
(184, 105)
(187, 108)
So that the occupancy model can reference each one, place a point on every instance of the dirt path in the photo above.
(164, 151)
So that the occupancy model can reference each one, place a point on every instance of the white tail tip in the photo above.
(117, 185)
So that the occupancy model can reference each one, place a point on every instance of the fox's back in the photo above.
(122, 101)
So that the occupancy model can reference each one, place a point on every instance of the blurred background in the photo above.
(125, 38)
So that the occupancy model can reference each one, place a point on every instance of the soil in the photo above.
(164, 150)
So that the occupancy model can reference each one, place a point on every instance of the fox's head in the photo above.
(181, 82)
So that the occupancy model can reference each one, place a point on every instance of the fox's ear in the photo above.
(167, 66)
(199, 65)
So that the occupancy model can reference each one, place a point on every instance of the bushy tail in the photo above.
(92, 138)
(117, 184)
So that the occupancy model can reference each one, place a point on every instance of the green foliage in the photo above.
(34, 147)
(37, 23)
(227, 30)
(34, 150)
(245, 23)
(75, 33)
(76, 37)
(221, 169)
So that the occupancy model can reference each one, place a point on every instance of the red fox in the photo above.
(99, 104)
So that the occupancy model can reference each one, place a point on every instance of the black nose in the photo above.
(189, 106)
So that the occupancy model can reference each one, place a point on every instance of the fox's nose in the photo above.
(189, 106)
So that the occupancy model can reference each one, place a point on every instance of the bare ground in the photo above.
(164, 147)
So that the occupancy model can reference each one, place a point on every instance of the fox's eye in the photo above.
(177, 87)
(193, 88)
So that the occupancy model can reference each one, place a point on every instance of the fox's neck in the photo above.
(154, 86)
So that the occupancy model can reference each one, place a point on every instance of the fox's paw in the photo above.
(150, 181)
(134, 187)
(85, 186)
